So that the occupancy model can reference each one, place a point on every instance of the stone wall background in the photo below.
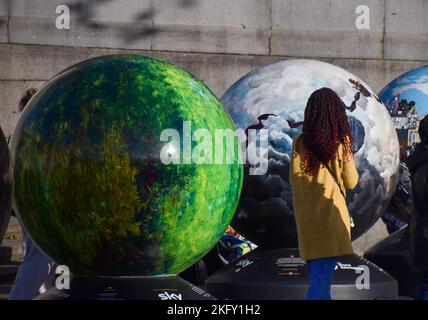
(218, 41)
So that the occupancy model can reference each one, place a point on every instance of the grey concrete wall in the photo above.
(4, 20)
(25, 66)
(309, 28)
(174, 25)
(217, 40)
(406, 30)
(314, 28)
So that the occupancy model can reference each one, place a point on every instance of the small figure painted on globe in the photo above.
(92, 186)
(274, 97)
(5, 185)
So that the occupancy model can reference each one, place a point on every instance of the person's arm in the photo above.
(350, 173)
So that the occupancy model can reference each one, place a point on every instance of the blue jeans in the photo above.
(36, 271)
(320, 274)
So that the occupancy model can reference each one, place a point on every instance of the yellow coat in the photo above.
(322, 217)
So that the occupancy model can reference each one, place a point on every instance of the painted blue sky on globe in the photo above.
(412, 86)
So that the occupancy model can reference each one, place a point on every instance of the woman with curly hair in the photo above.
(322, 168)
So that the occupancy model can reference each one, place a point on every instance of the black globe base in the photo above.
(279, 274)
(393, 255)
(128, 288)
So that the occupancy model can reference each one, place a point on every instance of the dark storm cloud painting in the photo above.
(265, 214)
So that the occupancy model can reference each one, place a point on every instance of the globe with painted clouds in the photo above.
(274, 97)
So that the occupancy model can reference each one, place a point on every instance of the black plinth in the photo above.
(128, 288)
(393, 255)
(279, 274)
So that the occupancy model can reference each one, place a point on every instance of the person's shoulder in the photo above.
(347, 141)
(298, 138)
(418, 158)
(420, 173)
(424, 166)
(297, 141)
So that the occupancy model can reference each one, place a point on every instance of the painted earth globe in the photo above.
(406, 99)
(5, 185)
(274, 97)
(103, 181)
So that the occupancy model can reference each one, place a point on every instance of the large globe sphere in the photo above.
(5, 185)
(91, 187)
(274, 97)
(406, 99)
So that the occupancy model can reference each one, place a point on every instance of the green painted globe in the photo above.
(91, 188)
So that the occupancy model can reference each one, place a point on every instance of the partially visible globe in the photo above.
(90, 187)
(5, 185)
(406, 99)
(274, 97)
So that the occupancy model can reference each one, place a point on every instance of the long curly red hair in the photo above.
(324, 129)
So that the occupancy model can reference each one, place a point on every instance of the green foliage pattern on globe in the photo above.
(90, 188)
